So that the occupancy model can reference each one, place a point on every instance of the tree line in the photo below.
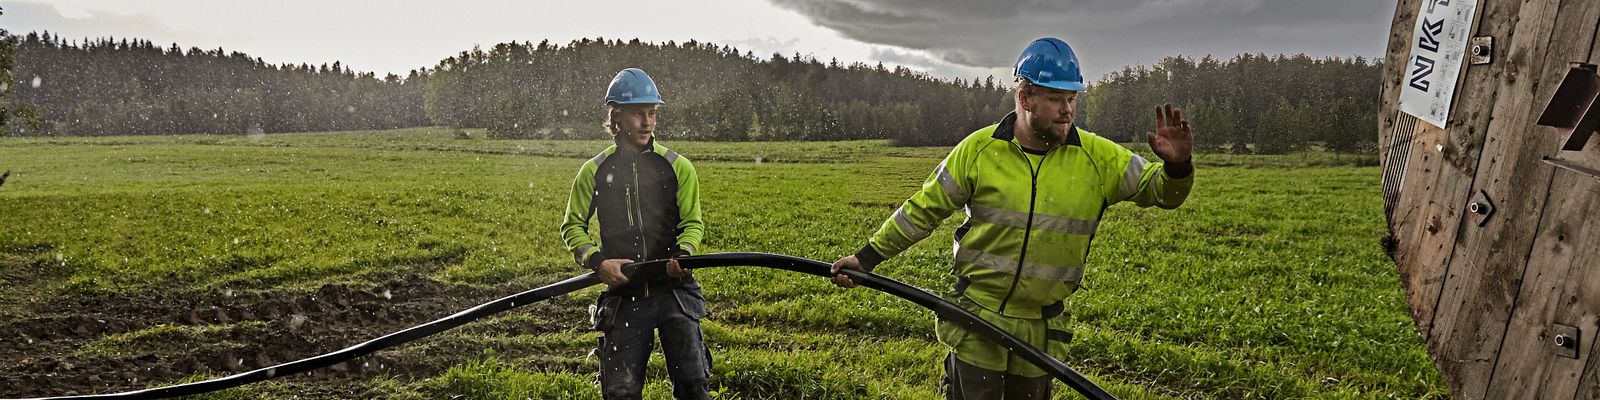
(1251, 103)
(133, 87)
(527, 90)
(13, 112)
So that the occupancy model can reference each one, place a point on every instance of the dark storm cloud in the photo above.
(935, 67)
(1109, 34)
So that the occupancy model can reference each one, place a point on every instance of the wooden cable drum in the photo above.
(1491, 185)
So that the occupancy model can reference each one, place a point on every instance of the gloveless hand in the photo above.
(1172, 140)
(611, 271)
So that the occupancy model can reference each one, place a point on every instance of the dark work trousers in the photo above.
(964, 381)
(625, 348)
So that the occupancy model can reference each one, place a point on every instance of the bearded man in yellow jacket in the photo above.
(1033, 188)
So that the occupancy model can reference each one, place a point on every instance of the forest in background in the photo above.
(1251, 103)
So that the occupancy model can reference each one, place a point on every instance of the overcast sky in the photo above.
(947, 38)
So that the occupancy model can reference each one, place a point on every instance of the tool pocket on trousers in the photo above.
(949, 333)
(603, 314)
(691, 301)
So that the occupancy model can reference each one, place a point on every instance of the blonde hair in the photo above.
(610, 123)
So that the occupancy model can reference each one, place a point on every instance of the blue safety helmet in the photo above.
(632, 86)
(1049, 62)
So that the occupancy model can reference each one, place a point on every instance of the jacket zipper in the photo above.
(1027, 231)
(637, 206)
(628, 196)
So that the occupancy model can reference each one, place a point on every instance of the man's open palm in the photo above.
(1172, 141)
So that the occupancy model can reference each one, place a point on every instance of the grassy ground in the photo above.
(204, 255)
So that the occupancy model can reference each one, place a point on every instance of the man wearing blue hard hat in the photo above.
(1033, 188)
(646, 199)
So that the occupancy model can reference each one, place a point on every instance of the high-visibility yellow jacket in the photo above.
(1030, 219)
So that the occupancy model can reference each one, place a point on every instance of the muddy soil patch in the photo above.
(126, 342)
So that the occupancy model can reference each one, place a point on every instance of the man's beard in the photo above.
(1045, 130)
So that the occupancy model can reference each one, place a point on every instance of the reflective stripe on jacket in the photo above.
(1029, 222)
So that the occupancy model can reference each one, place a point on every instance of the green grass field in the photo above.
(132, 262)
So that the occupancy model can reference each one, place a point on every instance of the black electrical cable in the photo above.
(946, 310)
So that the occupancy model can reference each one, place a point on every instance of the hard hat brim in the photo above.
(1062, 85)
(642, 100)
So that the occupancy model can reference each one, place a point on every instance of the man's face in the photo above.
(1052, 111)
(636, 123)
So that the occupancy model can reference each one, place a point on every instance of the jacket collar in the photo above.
(1007, 131)
(651, 147)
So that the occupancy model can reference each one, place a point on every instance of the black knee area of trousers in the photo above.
(964, 381)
